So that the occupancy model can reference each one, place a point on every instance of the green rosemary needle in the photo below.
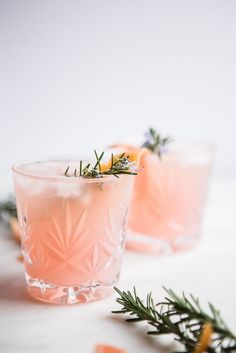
(80, 168)
(180, 316)
(155, 142)
(66, 171)
(112, 160)
(98, 161)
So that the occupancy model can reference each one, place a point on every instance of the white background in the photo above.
(75, 75)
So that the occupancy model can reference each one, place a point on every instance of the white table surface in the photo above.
(209, 271)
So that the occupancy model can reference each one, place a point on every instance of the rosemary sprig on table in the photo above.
(181, 316)
(155, 142)
(119, 165)
(8, 207)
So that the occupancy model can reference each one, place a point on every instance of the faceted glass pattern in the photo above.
(73, 232)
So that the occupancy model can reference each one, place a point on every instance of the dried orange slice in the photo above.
(103, 348)
(20, 258)
(135, 153)
(15, 228)
(205, 339)
(132, 153)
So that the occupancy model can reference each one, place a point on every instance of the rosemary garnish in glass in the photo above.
(180, 316)
(155, 142)
(119, 165)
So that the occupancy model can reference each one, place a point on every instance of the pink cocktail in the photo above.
(168, 200)
(73, 231)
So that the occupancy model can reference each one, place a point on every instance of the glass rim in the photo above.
(191, 149)
(192, 145)
(16, 168)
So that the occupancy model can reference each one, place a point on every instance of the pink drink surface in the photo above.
(73, 229)
(167, 203)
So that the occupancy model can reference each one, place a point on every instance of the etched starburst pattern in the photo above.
(71, 241)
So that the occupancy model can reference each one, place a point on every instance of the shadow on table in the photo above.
(13, 289)
(154, 343)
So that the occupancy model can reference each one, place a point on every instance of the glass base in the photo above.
(55, 294)
(159, 245)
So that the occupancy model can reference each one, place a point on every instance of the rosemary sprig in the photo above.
(155, 142)
(119, 165)
(8, 207)
(181, 316)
